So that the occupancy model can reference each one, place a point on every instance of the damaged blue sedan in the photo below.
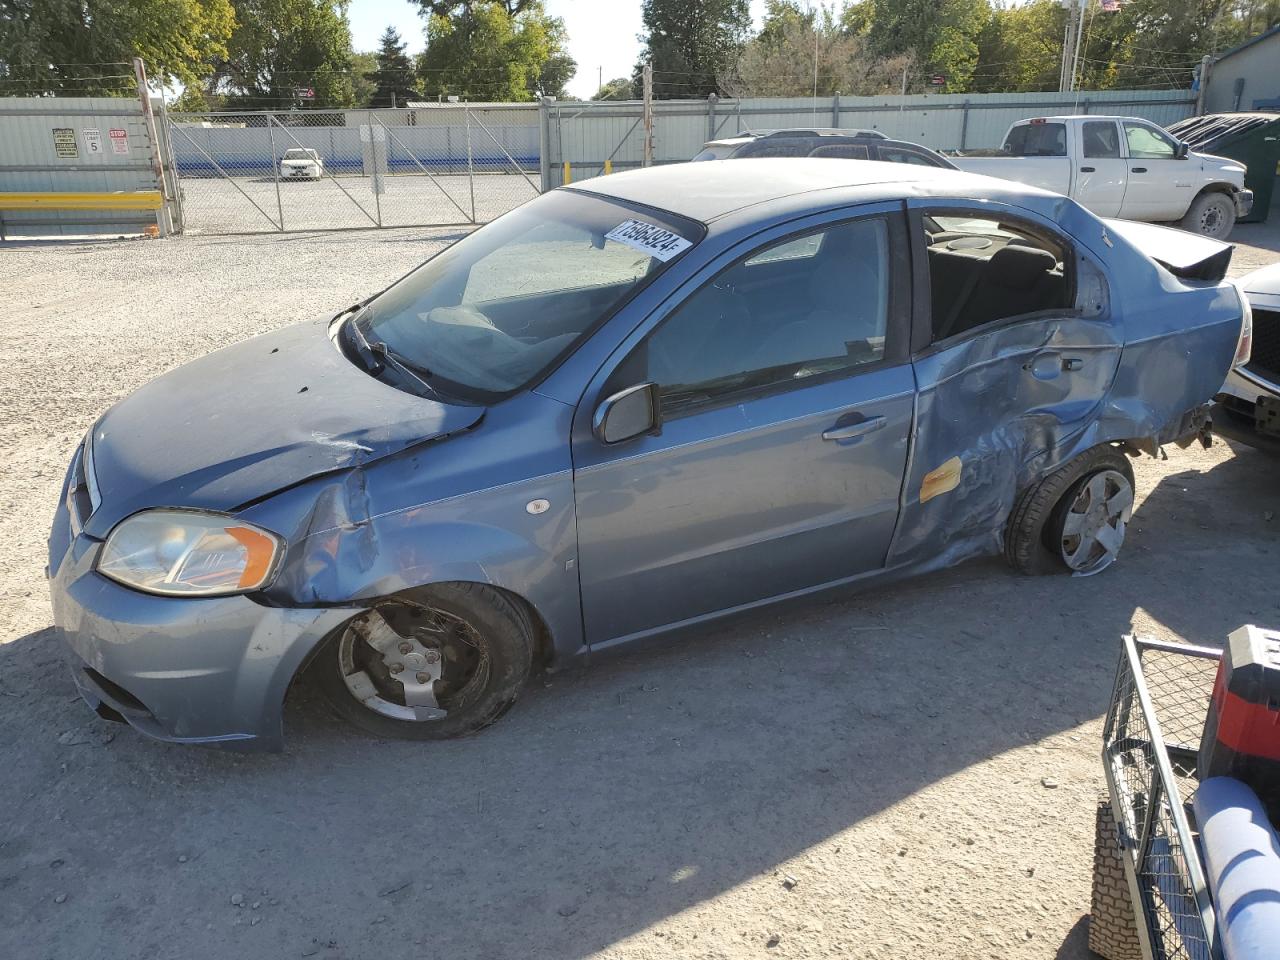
(633, 405)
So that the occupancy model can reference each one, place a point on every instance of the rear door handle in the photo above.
(851, 431)
(1138, 169)
(1088, 169)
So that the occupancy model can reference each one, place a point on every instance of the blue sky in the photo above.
(602, 33)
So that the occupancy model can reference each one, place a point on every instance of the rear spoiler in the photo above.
(1185, 255)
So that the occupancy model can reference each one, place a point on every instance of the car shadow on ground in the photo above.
(607, 800)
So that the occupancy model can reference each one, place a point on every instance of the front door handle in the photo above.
(1087, 169)
(1072, 363)
(1138, 169)
(851, 431)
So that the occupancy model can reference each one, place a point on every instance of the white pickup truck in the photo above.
(1121, 167)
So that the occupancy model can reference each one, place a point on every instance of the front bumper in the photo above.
(1244, 202)
(210, 670)
(1248, 410)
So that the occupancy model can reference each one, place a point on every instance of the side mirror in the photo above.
(629, 413)
(1181, 150)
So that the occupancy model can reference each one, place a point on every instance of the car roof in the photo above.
(1089, 116)
(714, 188)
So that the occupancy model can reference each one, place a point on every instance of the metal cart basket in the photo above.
(1150, 742)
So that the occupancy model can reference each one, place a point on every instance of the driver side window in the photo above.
(807, 306)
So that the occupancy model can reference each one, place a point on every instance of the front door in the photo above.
(787, 402)
(1161, 186)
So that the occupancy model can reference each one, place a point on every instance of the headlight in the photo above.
(185, 553)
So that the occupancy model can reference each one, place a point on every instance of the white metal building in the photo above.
(1246, 77)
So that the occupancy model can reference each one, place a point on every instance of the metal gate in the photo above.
(427, 165)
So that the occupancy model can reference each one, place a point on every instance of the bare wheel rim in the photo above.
(1093, 527)
(411, 662)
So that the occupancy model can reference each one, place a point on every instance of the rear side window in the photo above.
(807, 306)
(842, 151)
(770, 147)
(1037, 140)
(982, 271)
(898, 155)
(1101, 141)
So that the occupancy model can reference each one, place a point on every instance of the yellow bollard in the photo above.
(568, 173)
(608, 167)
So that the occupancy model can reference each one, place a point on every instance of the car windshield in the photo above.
(492, 312)
(297, 155)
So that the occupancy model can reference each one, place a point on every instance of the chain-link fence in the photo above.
(435, 164)
(1153, 730)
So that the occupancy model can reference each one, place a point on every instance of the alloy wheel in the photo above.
(1093, 527)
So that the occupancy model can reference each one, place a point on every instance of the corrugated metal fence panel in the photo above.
(587, 134)
(70, 145)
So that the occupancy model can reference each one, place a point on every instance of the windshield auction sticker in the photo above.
(650, 239)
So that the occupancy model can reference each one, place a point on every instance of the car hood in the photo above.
(252, 419)
(1234, 169)
(1263, 286)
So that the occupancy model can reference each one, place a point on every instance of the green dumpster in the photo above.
(1250, 138)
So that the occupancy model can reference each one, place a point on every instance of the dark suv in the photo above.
(862, 145)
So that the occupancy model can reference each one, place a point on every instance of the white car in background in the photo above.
(301, 164)
(1248, 408)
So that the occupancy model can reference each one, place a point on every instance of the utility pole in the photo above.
(157, 164)
(599, 79)
(1202, 87)
(1075, 49)
(1070, 44)
(648, 115)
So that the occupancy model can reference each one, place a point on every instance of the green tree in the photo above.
(1154, 43)
(449, 8)
(690, 44)
(1020, 48)
(780, 60)
(942, 35)
(363, 64)
(618, 88)
(282, 46)
(482, 51)
(44, 44)
(393, 78)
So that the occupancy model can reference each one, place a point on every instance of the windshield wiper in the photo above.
(380, 356)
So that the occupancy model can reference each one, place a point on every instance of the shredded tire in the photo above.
(505, 626)
(1113, 931)
(1025, 546)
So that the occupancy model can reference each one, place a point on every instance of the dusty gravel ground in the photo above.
(921, 759)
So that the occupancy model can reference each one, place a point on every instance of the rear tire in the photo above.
(1113, 931)
(469, 644)
(1211, 215)
(1033, 539)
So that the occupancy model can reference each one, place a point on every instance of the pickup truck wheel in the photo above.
(1211, 215)
(1113, 931)
(1075, 518)
(441, 662)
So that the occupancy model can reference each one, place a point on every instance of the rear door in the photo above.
(787, 397)
(1102, 171)
(1013, 358)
